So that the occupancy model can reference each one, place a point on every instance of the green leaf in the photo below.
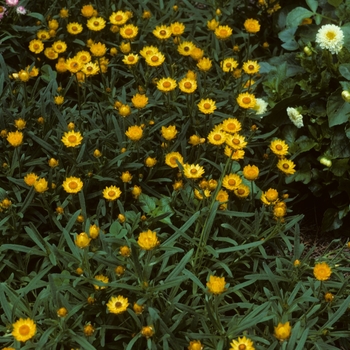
(338, 110)
(296, 16)
(340, 312)
(335, 3)
(180, 266)
(344, 70)
(313, 4)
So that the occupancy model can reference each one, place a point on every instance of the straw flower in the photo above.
(87, 11)
(169, 133)
(73, 65)
(72, 184)
(131, 59)
(223, 32)
(59, 46)
(148, 240)
(162, 32)
(98, 49)
(231, 125)
(193, 171)
(30, 179)
(15, 138)
(24, 329)
(229, 64)
(322, 271)
(251, 67)
(155, 59)
(236, 141)
(260, 106)
(330, 37)
(251, 25)
(242, 191)
(279, 147)
(41, 185)
(72, 138)
(177, 28)
(212, 24)
(129, 31)
(206, 106)
(231, 181)
(117, 305)
(216, 285)
(134, 133)
(96, 23)
(286, 166)
(136, 191)
(185, 48)
(283, 331)
(217, 137)
(242, 344)
(166, 84)
(147, 331)
(251, 172)
(118, 18)
(36, 46)
(111, 193)
(246, 100)
(139, 101)
(172, 158)
(204, 64)
(187, 85)
(148, 50)
(103, 279)
(74, 28)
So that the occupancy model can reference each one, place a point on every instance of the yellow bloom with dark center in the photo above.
(193, 171)
(118, 18)
(129, 31)
(83, 56)
(90, 68)
(236, 141)
(216, 285)
(72, 184)
(72, 138)
(98, 49)
(187, 85)
(251, 172)
(204, 64)
(231, 181)
(246, 100)
(231, 125)
(177, 28)
(279, 147)
(251, 67)
(206, 106)
(283, 331)
(251, 25)
(148, 50)
(41, 185)
(242, 191)
(223, 32)
(228, 64)
(166, 84)
(117, 305)
(36, 46)
(50, 53)
(155, 59)
(242, 344)
(148, 240)
(20, 124)
(126, 176)
(185, 48)
(96, 23)
(111, 193)
(212, 24)
(59, 46)
(217, 137)
(286, 166)
(103, 279)
(234, 154)
(162, 32)
(172, 158)
(74, 65)
(322, 271)
(134, 133)
(139, 101)
(169, 132)
(87, 11)
(15, 138)
(43, 35)
(74, 28)
(24, 329)
(30, 179)
(131, 59)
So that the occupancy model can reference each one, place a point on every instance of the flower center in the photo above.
(24, 330)
(155, 58)
(74, 28)
(285, 166)
(96, 23)
(193, 171)
(188, 85)
(228, 65)
(166, 84)
(231, 126)
(236, 141)
(89, 69)
(246, 100)
(72, 138)
(173, 160)
(111, 193)
(279, 148)
(43, 36)
(36, 46)
(242, 347)
(241, 191)
(131, 58)
(217, 137)
(206, 105)
(251, 67)
(118, 304)
(330, 35)
(73, 185)
(52, 54)
(118, 17)
(223, 32)
(231, 182)
(186, 48)
(162, 32)
(83, 58)
(59, 47)
(129, 31)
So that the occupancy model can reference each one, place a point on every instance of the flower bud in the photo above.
(346, 96)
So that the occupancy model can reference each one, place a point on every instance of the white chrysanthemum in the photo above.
(330, 37)
(295, 117)
(260, 106)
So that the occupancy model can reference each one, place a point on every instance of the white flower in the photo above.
(295, 117)
(21, 10)
(330, 37)
(260, 106)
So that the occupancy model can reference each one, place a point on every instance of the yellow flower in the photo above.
(111, 193)
(125, 47)
(138, 309)
(193, 171)
(251, 25)
(279, 210)
(231, 181)
(53, 24)
(166, 84)
(139, 101)
(222, 196)
(87, 11)
(74, 28)
(269, 197)
(96, 23)
(136, 191)
(196, 140)
(146, 14)
(206, 106)
(30, 179)
(20, 124)
(216, 285)
(94, 231)
(187, 85)
(231, 125)
(236, 141)
(286, 166)
(177, 28)
(118, 18)
(72, 138)
(129, 31)
(155, 59)
(98, 49)
(62, 312)
(36, 46)
(322, 271)
(150, 162)
(90, 68)
(148, 240)
(185, 48)
(126, 176)
(251, 172)
(131, 59)
(72, 184)
(147, 331)
(148, 50)
(23, 75)
(53, 162)
(117, 305)
(88, 330)
(41, 185)
(50, 53)
(61, 66)
(229, 64)
(59, 46)
(119, 270)
(162, 32)
(103, 279)
(169, 133)
(251, 67)
(212, 24)
(197, 53)
(43, 35)
(246, 100)
(242, 344)
(242, 191)
(83, 56)
(171, 158)
(24, 329)
(204, 64)
(125, 251)
(124, 110)
(64, 13)
(279, 147)
(328, 297)
(74, 65)
(58, 100)
(15, 138)
(223, 32)
(283, 331)
(134, 133)
(217, 137)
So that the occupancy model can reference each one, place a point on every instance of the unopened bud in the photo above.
(325, 161)
(307, 51)
(346, 96)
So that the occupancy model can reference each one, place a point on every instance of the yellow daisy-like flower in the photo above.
(217, 137)
(30, 179)
(41, 185)
(64, 13)
(166, 84)
(231, 125)
(98, 49)
(103, 279)
(73, 65)
(283, 331)
(134, 133)
(212, 24)
(231, 181)
(195, 140)
(228, 64)
(223, 32)
(126, 176)
(15, 138)
(242, 344)
(234, 154)
(125, 47)
(251, 67)
(222, 196)
(206, 106)
(36, 46)
(197, 53)
(187, 85)
(236, 141)
(286, 166)
(24, 329)
(279, 210)
(53, 24)
(246, 100)
(204, 64)
(50, 53)
(59, 46)
(171, 158)
(185, 48)
(72, 184)
(72, 138)
(148, 50)
(139, 101)
(216, 285)
(87, 11)
(111, 193)
(193, 171)
(162, 32)
(118, 18)
(96, 23)
(124, 110)
(83, 56)
(169, 132)
(43, 35)
(195, 345)
(131, 59)
(117, 305)
(177, 28)
(150, 162)
(251, 172)
(322, 271)
(155, 59)
(82, 240)
(269, 197)
(242, 191)
(251, 25)
(90, 68)
(129, 31)
(58, 100)
(148, 240)
(74, 28)
(279, 147)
